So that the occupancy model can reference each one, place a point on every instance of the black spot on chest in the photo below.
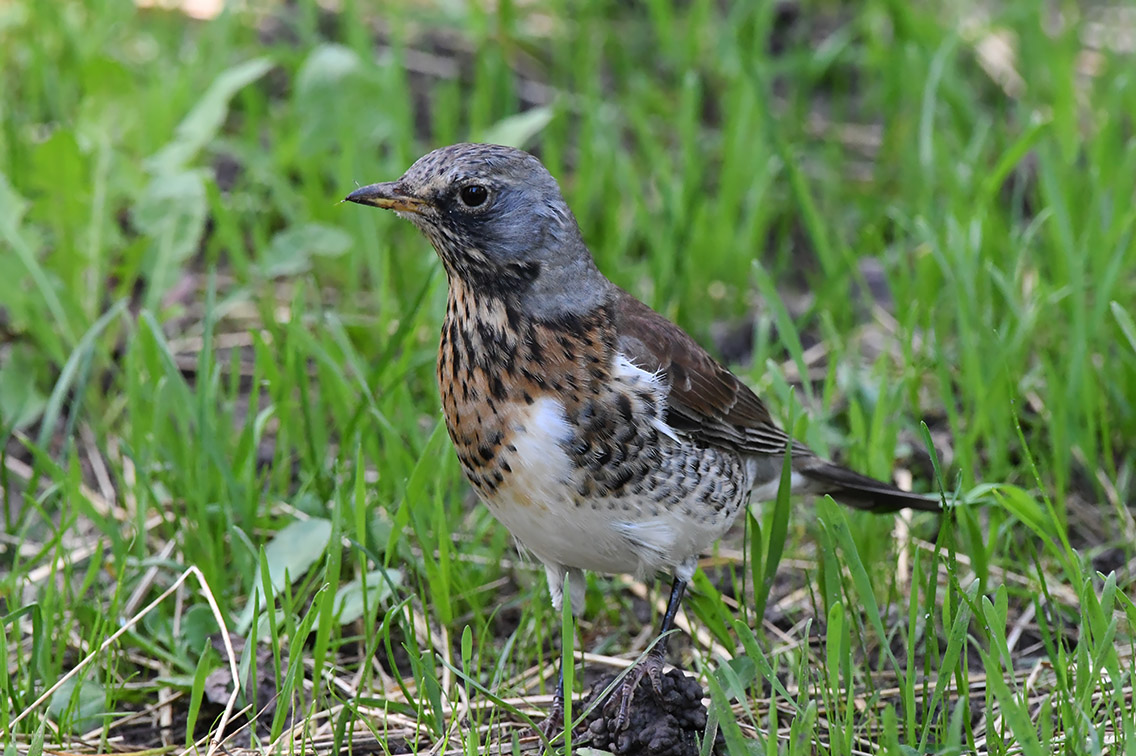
(623, 403)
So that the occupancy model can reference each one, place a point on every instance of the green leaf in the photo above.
(331, 82)
(35, 748)
(70, 377)
(567, 656)
(743, 670)
(83, 700)
(325, 68)
(1013, 155)
(776, 528)
(12, 207)
(1038, 517)
(197, 624)
(12, 235)
(21, 403)
(956, 641)
(292, 551)
(197, 691)
(291, 251)
(721, 713)
(427, 516)
(836, 646)
(1014, 712)
(296, 548)
(205, 120)
(995, 615)
(349, 599)
(520, 129)
(760, 660)
(59, 170)
(171, 211)
(837, 523)
(1124, 320)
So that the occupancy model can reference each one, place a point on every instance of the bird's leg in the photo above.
(550, 725)
(652, 664)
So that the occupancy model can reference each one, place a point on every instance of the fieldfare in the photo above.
(598, 432)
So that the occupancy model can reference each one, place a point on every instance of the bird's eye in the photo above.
(473, 195)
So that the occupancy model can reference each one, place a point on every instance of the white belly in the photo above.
(540, 506)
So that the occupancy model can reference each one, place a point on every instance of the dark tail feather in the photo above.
(861, 492)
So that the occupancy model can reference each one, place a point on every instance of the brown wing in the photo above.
(709, 404)
(706, 401)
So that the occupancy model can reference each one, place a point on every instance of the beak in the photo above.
(389, 196)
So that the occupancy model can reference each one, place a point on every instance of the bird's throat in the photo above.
(487, 327)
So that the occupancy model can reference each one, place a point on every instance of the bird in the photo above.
(598, 432)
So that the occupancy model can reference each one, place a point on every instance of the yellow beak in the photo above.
(389, 196)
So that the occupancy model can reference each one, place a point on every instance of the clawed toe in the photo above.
(651, 667)
(552, 725)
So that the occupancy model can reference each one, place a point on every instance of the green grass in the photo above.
(207, 362)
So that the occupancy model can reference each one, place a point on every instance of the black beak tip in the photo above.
(360, 195)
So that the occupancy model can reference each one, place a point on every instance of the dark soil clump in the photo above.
(669, 723)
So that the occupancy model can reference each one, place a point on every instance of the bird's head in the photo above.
(497, 219)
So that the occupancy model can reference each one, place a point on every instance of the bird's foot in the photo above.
(667, 725)
(553, 725)
(651, 667)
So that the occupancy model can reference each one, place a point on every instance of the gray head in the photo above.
(497, 219)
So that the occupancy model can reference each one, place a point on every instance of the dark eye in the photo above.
(473, 195)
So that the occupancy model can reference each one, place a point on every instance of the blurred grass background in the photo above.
(886, 214)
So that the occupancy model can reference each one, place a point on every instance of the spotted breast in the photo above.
(564, 439)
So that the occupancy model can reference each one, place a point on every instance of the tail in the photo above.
(860, 491)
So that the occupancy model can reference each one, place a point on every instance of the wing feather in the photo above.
(712, 406)
(706, 401)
